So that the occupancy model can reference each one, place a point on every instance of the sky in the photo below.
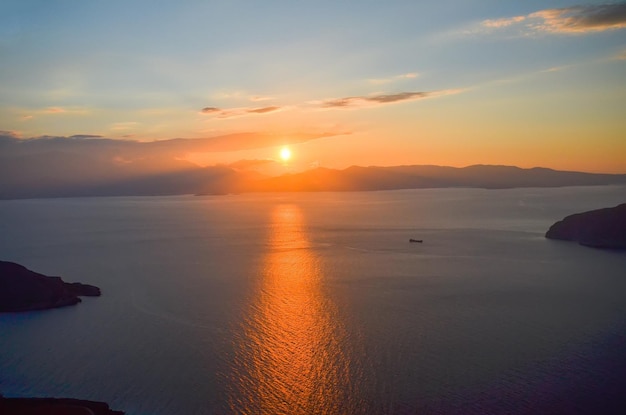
(456, 83)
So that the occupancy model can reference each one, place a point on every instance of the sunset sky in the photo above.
(526, 83)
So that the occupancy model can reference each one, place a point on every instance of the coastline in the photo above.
(65, 406)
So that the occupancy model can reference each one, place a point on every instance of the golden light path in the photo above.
(289, 359)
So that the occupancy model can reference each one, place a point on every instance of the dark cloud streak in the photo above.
(351, 102)
(595, 16)
(263, 110)
(567, 20)
(210, 110)
(237, 112)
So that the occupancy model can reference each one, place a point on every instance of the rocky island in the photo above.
(49, 406)
(24, 290)
(601, 228)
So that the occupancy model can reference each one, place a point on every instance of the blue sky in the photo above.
(368, 82)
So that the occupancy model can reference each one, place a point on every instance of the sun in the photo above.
(285, 153)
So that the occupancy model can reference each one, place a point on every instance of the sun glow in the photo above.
(285, 154)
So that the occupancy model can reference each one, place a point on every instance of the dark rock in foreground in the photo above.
(602, 228)
(23, 290)
(54, 406)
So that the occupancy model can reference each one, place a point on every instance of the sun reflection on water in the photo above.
(289, 357)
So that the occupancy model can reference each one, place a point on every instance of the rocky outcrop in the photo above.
(23, 290)
(49, 406)
(602, 228)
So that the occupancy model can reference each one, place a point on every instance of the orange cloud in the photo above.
(58, 111)
(504, 22)
(257, 98)
(54, 110)
(127, 125)
(568, 20)
(380, 81)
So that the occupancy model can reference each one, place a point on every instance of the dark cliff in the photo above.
(51, 406)
(22, 289)
(602, 228)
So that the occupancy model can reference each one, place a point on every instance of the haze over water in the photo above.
(318, 304)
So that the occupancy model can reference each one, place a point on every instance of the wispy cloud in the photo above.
(126, 125)
(238, 112)
(352, 102)
(54, 110)
(240, 95)
(210, 110)
(558, 68)
(504, 22)
(61, 111)
(262, 110)
(229, 95)
(567, 20)
(258, 98)
(26, 114)
(382, 81)
(381, 99)
(372, 100)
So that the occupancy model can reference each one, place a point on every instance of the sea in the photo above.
(317, 303)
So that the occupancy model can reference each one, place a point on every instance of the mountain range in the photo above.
(17, 180)
(425, 176)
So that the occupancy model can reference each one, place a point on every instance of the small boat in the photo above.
(416, 240)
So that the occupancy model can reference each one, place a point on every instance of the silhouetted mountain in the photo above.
(64, 175)
(414, 177)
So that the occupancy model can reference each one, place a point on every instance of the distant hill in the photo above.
(418, 177)
(72, 178)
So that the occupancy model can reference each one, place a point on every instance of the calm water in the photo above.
(317, 304)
